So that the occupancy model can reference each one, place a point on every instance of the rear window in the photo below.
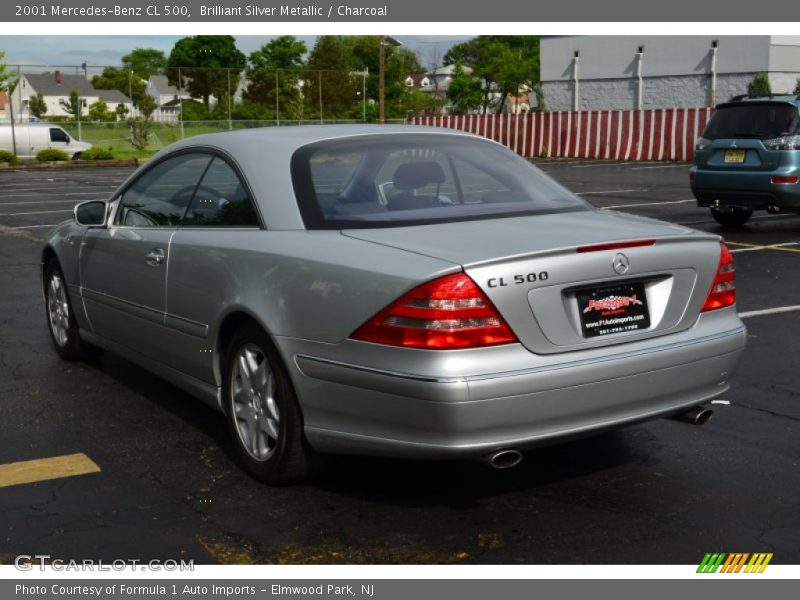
(408, 179)
(761, 121)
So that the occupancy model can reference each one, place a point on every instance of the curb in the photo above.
(71, 164)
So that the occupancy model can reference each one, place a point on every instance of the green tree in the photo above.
(465, 92)
(209, 65)
(124, 80)
(282, 56)
(415, 102)
(508, 64)
(7, 78)
(329, 64)
(142, 125)
(145, 62)
(98, 111)
(147, 105)
(121, 111)
(759, 86)
(399, 63)
(194, 111)
(37, 106)
(73, 105)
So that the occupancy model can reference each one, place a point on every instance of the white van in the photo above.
(33, 137)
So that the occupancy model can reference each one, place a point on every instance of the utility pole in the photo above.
(384, 39)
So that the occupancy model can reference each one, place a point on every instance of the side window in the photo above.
(58, 135)
(482, 187)
(221, 200)
(159, 198)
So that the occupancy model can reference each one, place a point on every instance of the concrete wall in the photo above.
(614, 57)
(676, 70)
(689, 91)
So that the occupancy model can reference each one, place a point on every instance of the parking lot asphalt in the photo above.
(167, 486)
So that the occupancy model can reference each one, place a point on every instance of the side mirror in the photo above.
(92, 213)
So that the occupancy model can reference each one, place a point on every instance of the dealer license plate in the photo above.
(613, 309)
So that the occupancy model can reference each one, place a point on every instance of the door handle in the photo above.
(155, 258)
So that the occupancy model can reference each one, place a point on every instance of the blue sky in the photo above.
(107, 49)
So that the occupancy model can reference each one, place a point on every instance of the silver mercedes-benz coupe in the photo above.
(396, 291)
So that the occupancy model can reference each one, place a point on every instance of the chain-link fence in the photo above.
(96, 103)
(116, 136)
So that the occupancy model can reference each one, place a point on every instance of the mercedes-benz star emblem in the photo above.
(621, 263)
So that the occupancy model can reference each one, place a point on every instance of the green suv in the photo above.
(748, 158)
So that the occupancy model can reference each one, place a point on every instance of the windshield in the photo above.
(406, 179)
(761, 121)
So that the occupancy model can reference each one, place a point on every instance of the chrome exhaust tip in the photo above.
(698, 415)
(503, 459)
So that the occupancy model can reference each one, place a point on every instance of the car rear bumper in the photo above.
(362, 409)
(745, 189)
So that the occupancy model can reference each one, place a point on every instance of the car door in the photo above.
(124, 266)
(214, 253)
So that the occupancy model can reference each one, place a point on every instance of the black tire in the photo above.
(61, 324)
(77, 156)
(290, 459)
(734, 218)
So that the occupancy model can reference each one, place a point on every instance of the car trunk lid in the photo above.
(533, 272)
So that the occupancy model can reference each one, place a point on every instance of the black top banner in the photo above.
(349, 11)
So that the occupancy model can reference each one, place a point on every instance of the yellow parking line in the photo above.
(763, 247)
(43, 469)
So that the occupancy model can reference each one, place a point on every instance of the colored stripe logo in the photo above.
(737, 562)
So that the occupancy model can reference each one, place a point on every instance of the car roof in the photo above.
(264, 155)
(792, 99)
(290, 138)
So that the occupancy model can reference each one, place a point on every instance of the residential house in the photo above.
(56, 87)
(4, 106)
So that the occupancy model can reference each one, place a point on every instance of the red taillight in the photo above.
(784, 179)
(443, 314)
(615, 245)
(723, 289)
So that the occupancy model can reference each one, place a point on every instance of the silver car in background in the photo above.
(396, 291)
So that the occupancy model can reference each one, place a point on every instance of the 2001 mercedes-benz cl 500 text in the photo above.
(391, 290)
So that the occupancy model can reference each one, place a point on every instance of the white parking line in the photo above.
(55, 194)
(36, 212)
(31, 202)
(33, 226)
(752, 219)
(756, 248)
(660, 167)
(769, 311)
(638, 204)
(612, 191)
(600, 164)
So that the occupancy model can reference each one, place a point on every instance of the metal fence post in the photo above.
(277, 101)
(11, 111)
(180, 102)
(319, 77)
(230, 102)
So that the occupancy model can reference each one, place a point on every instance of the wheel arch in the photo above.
(48, 255)
(231, 322)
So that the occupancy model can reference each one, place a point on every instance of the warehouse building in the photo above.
(642, 72)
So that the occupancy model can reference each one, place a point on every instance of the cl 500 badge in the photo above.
(517, 279)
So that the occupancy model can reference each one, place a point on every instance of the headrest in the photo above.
(411, 176)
